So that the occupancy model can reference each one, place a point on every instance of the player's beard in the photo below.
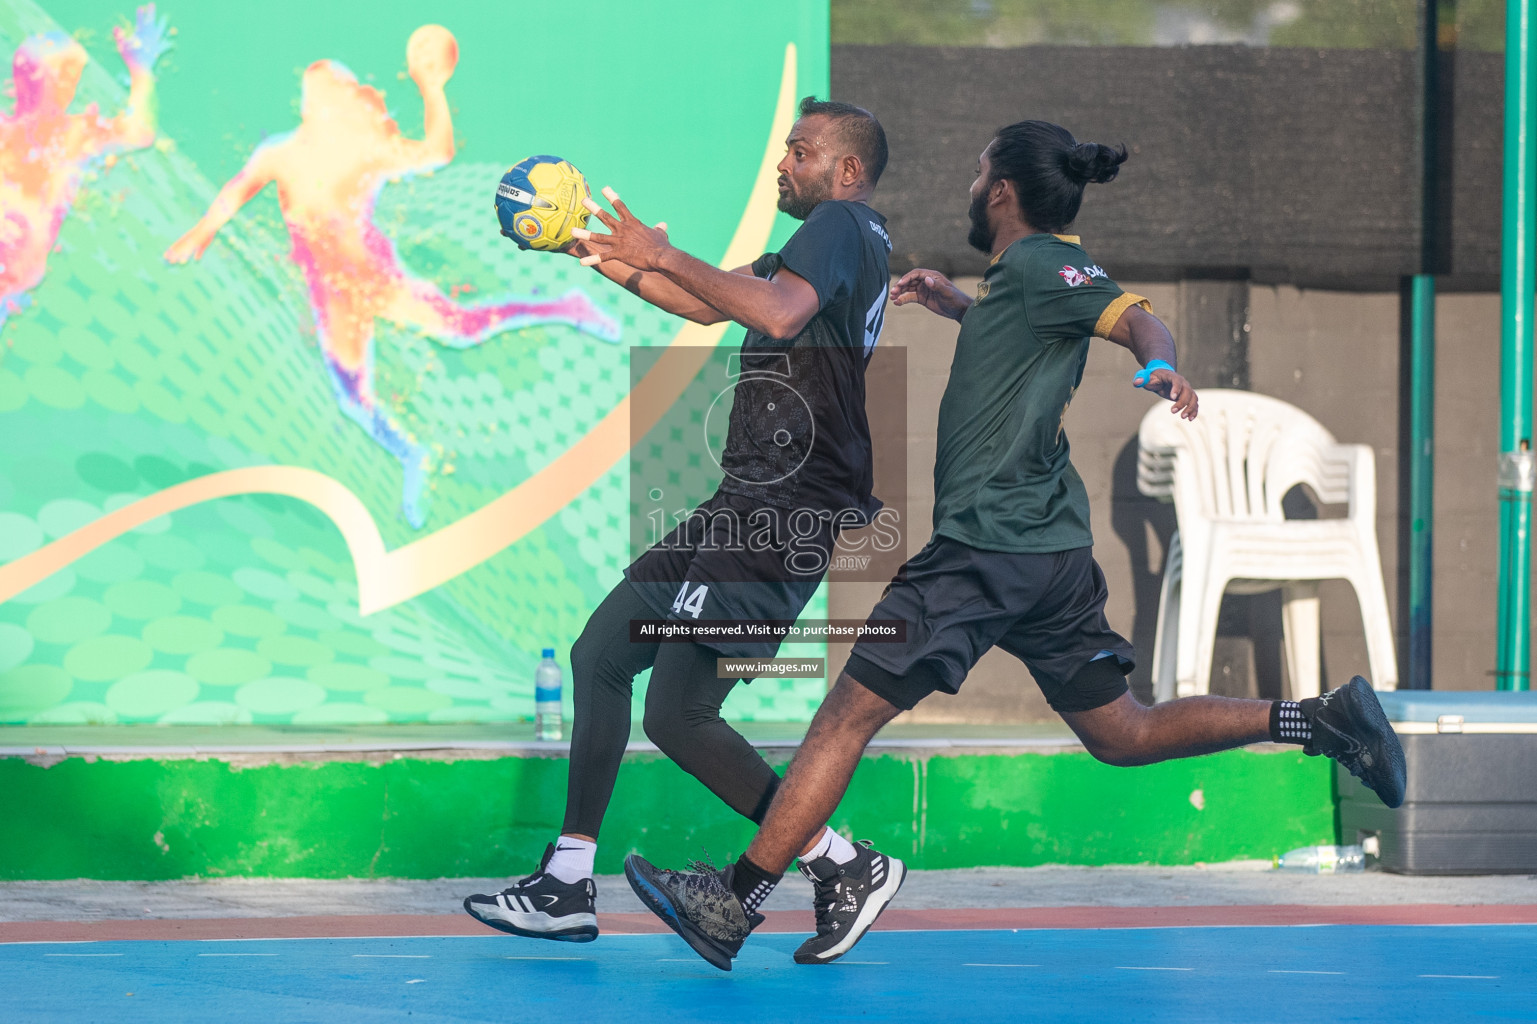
(981, 234)
(800, 204)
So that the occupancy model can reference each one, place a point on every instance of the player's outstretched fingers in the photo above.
(917, 290)
(917, 285)
(1183, 397)
(591, 261)
(597, 211)
(903, 287)
(618, 204)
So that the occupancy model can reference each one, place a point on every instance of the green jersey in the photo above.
(1002, 477)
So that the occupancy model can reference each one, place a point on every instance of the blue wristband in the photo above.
(1145, 374)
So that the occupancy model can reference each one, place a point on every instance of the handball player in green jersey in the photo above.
(1011, 560)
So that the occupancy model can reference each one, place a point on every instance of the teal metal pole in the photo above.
(1421, 310)
(1518, 236)
(1422, 477)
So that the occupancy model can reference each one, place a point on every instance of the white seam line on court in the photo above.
(1307, 972)
(392, 956)
(1155, 968)
(546, 958)
(1000, 965)
(53, 942)
(1468, 977)
(239, 954)
(82, 954)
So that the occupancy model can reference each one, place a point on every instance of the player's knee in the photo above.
(1116, 753)
(590, 665)
(585, 654)
(1118, 748)
(1116, 735)
(853, 705)
(665, 728)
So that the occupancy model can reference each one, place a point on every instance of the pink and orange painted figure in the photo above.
(328, 173)
(45, 151)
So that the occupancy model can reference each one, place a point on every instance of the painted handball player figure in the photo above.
(329, 172)
(797, 446)
(45, 151)
(1010, 563)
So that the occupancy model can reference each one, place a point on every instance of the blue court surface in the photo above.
(1306, 974)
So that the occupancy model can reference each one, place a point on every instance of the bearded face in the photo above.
(981, 234)
(799, 198)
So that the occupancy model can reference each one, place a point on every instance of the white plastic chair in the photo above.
(1226, 473)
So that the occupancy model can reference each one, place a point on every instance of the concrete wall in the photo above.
(1333, 354)
(1294, 165)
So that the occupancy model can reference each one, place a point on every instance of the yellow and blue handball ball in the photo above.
(539, 202)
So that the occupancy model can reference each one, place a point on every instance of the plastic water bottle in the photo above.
(547, 697)
(1323, 860)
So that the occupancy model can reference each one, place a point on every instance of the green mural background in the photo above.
(125, 375)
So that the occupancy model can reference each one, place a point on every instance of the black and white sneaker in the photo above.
(847, 900)
(697, 904)
(540, 906)
(1349, 726)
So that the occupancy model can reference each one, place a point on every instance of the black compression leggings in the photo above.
(682, 717)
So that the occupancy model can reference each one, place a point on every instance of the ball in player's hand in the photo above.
(432, 52)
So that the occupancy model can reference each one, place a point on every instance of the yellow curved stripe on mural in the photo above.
(386, 578)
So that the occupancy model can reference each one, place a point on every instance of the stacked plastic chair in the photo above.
(1227, 473)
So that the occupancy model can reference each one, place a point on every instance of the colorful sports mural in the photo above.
(45, 150)
(328, 173)
(336, 451)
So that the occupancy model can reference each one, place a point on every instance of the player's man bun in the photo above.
(1049, 169)
(1092, 163)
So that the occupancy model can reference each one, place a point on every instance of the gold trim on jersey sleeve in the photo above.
(1120, 304)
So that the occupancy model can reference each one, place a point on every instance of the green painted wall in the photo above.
(411, 818)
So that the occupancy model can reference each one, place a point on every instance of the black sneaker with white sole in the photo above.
(540, 906)
(1350, 726)
(697, 904)
(847, 900)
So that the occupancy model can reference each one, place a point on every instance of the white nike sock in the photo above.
(832, 845)
(573, 859)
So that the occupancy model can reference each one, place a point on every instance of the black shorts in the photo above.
(736, 559)
(1048, 610)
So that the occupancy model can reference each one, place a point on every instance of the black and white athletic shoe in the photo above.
(1349, 725)
(848, 898)
(697, 904)
(540, 906)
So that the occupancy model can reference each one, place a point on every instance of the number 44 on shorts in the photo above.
(693, 603)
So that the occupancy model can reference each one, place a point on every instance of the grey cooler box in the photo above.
(1471, 805)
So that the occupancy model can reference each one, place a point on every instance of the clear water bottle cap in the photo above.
(548, 652)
